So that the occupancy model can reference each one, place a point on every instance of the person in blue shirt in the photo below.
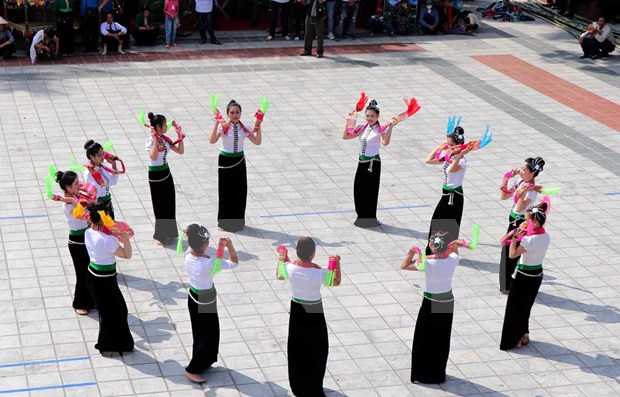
(7, 42)
(429, 18)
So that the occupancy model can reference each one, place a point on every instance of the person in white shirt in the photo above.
(161, 183)
(232, 172)
(433, 328)
(113, 34)
(69, 182)
(45, 45)
(527, 276)
(98, 174)
(103, 248)
(204, 10)
(523, 193)
(202, 298)
(449, 211)
(308, 344)
(279, 8)
(598, 41)
(368, 176)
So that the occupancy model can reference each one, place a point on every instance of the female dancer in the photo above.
(431, 340)
(99, 175)
(368, 176)
(114, 335)
(232, 172)
(161, 182)
(202, 298)
(524, 193)
(308, 345)
(449, 210)
(527, 279)
(69, 182)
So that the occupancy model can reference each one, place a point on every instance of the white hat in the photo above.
(3, 21)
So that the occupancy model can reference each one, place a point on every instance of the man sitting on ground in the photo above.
(113, 35)
(45, 45)
(7, 41)
(145, 31)
(429, 18)
(598, 41)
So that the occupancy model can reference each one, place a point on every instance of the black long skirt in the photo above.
(307, 349)
(205, 331)
(114, 334)
(431, 341)
(447, 217)
(519, 306)
(82, 299)
(163, 198)
(233, 193)
(506, 265)
(366, 193)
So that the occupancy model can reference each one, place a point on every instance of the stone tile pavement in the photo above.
(300, 182)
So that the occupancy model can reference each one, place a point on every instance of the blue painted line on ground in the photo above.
(612, 194)
(48, 387)
(3, 218)
(60, 360)
(340, 211)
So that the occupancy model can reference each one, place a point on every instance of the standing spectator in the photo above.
(281, 8)
(7, 41)
(113, 35)
(299, 16)
(429, 18)
(348, 12)
(204, 9)
(171, 11)
(44, 44)
(89, 22)
(145, 31)
(63, 12)
(120, 15)
(598, 41)
(331, 14)
(400, 17)
(315, 26)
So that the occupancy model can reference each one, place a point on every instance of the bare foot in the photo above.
(195, 377)
(81, 312)
(519, 344)
(158, 242)
(525, 340)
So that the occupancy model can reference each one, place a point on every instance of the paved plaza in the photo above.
(525, 80)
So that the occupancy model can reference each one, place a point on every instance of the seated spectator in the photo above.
(464, 23)
(145, 31)
(112, 34)
(45, 45)
(377, 24)
(429, 18)
(400, 17)
(598, 41)
(7, 41)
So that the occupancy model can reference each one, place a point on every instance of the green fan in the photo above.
(75, 166)
(264, 104)
(214, 101)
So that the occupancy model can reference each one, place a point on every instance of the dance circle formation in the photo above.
(96, 239)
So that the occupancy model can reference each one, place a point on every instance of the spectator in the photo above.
(204, 9)
(377, 24)
(119, 11)
(89, 21)
(145, 31)
(299, 16)
(348, 12)
(7, 41)
(113, 35)
(63, 12)
(464, 22)
(281, 8)
(429, 18)
(400, 17)
(171, 11)
(598, 41)
(331, 13)
(45, 44)
(315, 26)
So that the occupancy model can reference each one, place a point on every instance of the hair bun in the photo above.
(151, 116)
(89, 143)
(539, 164)
(58, 176)
(543, 206)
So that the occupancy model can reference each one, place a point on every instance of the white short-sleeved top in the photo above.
(162, 157)
(370, 139)
(439, 273)
(199, 268)
(455, 179)
(101, 247)
(306, 281)
(74, 224)
(232, 142)
(532, 195)
(536, 247)
(110, 180)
